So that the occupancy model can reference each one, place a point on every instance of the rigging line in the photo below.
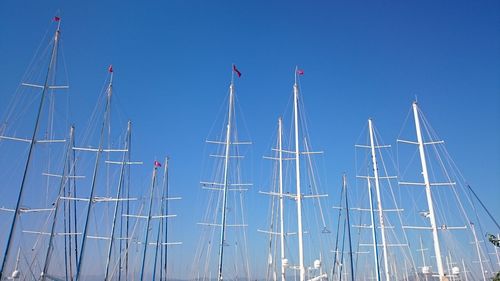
(359, 235)
(271, 228)
(454, 189)
(381, 157)
(245, 246)
(337, 234)
(470, 189)
(67, 222)
(313, 178)
(30, 265)
(28, 161)
(314, 190)
(11, 106)
(165, 210)
(490, 262)
(73, 162)
(484, 207)
(406, 120)
(342, 251)
(68, 110)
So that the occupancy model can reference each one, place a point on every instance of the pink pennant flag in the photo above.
(157, 164)
(300, 72)
(56, 18)
(110, 68)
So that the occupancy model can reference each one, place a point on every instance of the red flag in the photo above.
(300, 72)
(157, 164)
(110, 68)
(236, 70)
(56, 18)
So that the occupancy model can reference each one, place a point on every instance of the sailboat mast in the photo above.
(162, 225)
(336, 257)
(94, 179)
(297, 179)
(478, 250)
(226, 180)
(118, 197)
(344, 183)
(282, 227)
(379, 200)
(432, 218)
(146, 241)
(64, 181)
(30, 151)
(374, 232)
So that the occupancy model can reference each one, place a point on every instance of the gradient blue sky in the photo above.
(361, 59)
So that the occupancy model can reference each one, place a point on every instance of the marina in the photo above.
(220, 167)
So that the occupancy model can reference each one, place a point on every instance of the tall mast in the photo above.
(118, 198)
(163, 227)
(374, 232)
(146, 241)
(379, 200)
(297, 179)
(336, 258)
(64, 181)
(94, 177)
(30, 150)
(225, 183)
(478, 250)
(282, 230)
(432, 218)
(344, 184)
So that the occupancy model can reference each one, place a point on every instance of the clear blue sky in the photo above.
(361, 59)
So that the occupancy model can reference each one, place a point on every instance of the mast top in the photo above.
(110, 70)
(57, 19)
(298, 72)
(234, 70)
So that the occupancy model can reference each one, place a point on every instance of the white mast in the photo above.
(478, 250)
(432, 218)
(379, 200)
(226, 184)
(374, 233)
(282, 230)
(297, 173)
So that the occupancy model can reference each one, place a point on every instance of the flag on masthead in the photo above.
(236, 71)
